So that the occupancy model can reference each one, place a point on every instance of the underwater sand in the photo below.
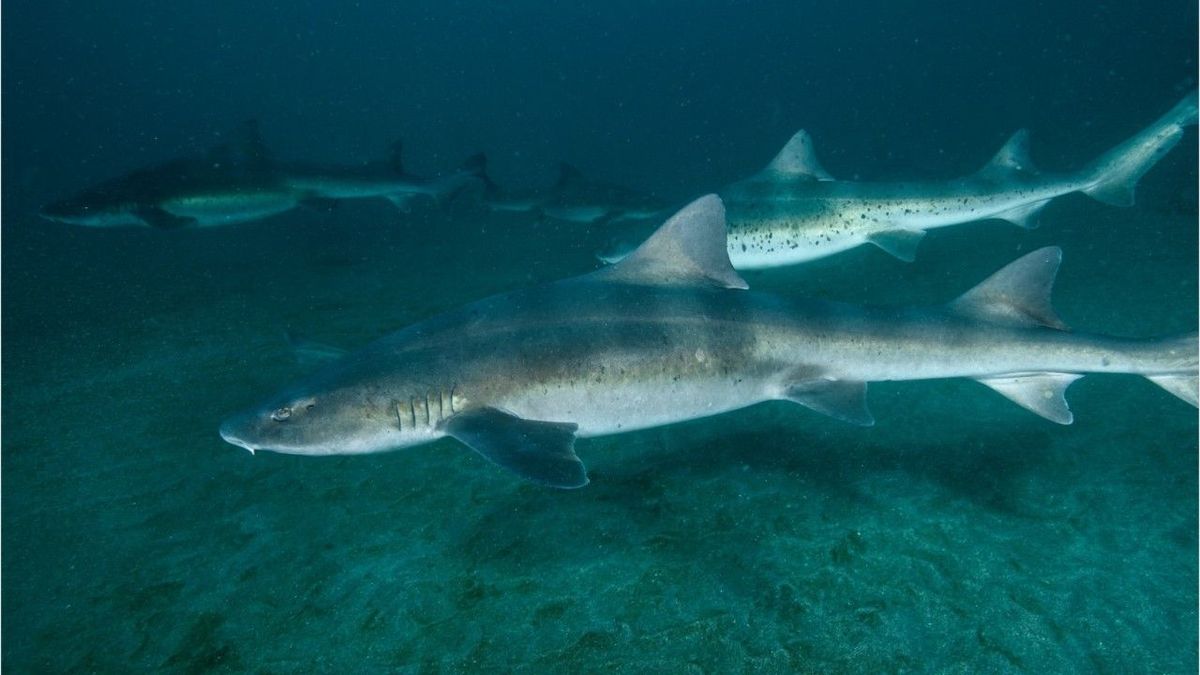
(960, 534)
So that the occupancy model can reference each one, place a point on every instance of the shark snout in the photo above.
(233, 430)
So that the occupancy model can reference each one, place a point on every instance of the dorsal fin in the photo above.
(396, 156)
(798, 161)
(1013, 157)
(1017, 295)
(688, 249)
(568, 176)
(253, 153)
(245, 149)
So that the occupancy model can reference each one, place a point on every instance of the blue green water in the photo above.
(961, 533)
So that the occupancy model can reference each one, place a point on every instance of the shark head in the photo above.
(335, 412)
(91, 209)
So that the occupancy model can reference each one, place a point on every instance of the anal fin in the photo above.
(901, 243)
(542, 452)
(845, 400)
(1185, 387)
(1040, 393)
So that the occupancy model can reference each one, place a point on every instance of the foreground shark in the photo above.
(575, 198)
(387, 180)
(793, 211)
(671, 334)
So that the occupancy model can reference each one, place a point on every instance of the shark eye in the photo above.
(281, 414)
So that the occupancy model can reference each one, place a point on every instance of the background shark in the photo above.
(386, 180)
(235, 183)
(671, 334)
(183, 193)
(794, 211)
(576, 198)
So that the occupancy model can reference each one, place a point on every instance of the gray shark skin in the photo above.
(182, 193)
(375, 180)
(576, 198)
(793, 211)
(670, 334)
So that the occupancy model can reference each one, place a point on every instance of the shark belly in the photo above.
(775, 232)
(608, 408)
(216, 210)
(337, 188)
(575, 214)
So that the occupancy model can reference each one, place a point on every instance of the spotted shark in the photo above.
(575, 198)
(671, 333)
(794, 211)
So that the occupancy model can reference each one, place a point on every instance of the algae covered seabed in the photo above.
(960, 533)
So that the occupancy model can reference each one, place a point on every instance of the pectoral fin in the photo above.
(542, 452)
(1040, 393)
(841, 399)
(901, 243)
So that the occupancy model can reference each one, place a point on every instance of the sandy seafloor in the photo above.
(960, 534)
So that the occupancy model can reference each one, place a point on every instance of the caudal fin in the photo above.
(1117, 172)
(472, 173)
(1185, 351)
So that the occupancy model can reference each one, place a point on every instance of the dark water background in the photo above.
(960, 533)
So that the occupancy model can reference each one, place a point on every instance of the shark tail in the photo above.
(1116, 173)
(470, 174)
(1184, 350)
(1019, 295)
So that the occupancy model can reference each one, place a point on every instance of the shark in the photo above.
(387, 180)
(234, 182)
(240, 182)
(176, 194)
(672, 333)
(793, 211)
(575, 198)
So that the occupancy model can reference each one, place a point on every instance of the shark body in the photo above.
(671, 334)
(182, 193)
(794, 211)
(375, 180)
(575, 198)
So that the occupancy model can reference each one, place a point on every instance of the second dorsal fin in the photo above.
(1018, 294)
(1012, 158)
